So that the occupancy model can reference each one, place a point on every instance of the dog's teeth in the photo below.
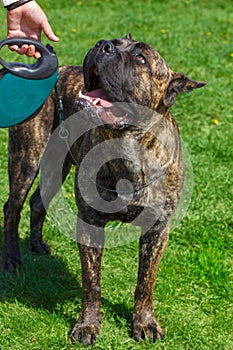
(96, 101)
(80, 95)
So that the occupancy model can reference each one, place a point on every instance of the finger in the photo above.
(31, 51)
(37, 55)
(23, 50)
(49, 32)
(13, 47)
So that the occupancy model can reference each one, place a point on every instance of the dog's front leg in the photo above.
(90, 243)
(152, 245)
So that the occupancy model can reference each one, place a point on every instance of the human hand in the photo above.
(28, 20)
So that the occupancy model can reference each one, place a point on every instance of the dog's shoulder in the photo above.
(71, 79)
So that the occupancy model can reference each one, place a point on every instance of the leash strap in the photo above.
(63, 133)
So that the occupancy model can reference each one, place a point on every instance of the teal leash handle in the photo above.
(25, 87)
(44, 66)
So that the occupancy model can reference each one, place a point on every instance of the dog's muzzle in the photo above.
(109, 113)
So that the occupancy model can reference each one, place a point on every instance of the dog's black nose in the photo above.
(106, 46)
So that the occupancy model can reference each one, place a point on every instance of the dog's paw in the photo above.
(145, 326)
(40, 248)
(86, 331)
(11, 264)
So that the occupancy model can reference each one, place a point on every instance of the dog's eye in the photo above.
(140, 58)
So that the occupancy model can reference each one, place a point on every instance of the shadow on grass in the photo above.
(44, 282)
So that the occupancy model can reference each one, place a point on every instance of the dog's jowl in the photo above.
(125, 144)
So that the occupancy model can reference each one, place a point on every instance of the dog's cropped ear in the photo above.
(180, 83)
(128, 36)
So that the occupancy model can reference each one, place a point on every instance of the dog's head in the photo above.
(125, 70)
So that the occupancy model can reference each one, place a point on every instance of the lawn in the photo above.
(193, 295)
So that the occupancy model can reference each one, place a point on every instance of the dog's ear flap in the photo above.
(178, 84)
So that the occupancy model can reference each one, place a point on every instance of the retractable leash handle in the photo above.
(44, 66)
(25, 87)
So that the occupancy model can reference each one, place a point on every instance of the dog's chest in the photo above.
(121, 167)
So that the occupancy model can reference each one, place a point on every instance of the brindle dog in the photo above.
(127, 92)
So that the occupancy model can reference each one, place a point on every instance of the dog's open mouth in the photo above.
(96, 98)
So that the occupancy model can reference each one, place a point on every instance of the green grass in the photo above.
(193, 296)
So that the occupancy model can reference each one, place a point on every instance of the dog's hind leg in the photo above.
(152, 245)
(39, 203)
(25, 150)
(38, 214)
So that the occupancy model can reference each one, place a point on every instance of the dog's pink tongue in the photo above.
(98, 97)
